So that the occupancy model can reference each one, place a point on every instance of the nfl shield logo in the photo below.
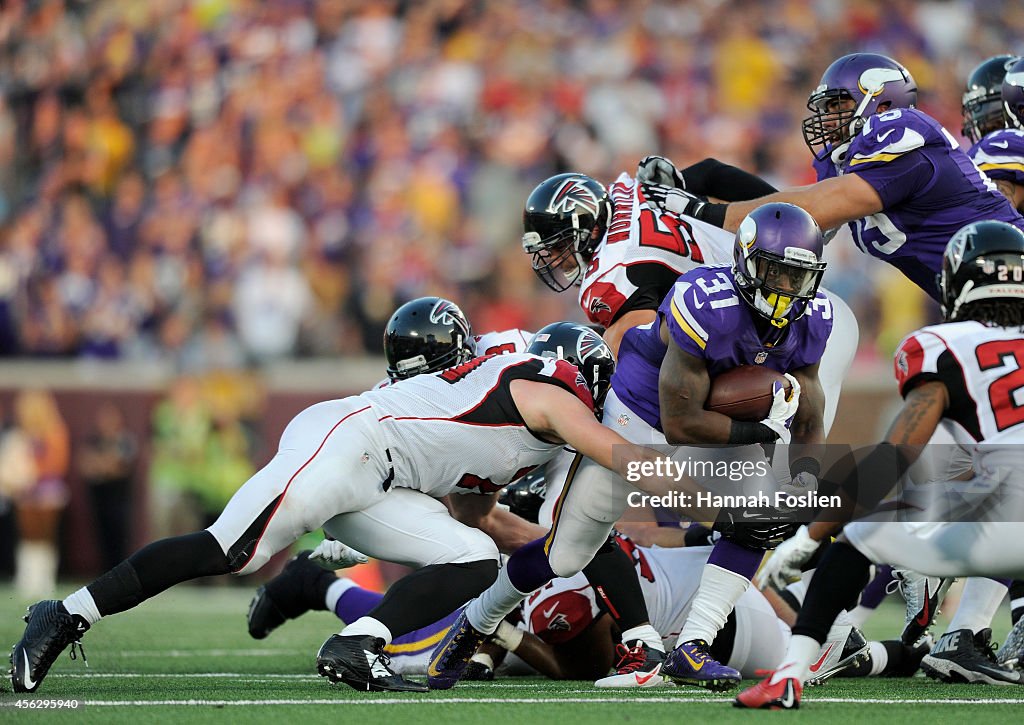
(760, 358)
(623, 420)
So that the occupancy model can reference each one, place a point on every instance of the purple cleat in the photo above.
(451, 656)
(691, 664)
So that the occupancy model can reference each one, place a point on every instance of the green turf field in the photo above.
(186, 657)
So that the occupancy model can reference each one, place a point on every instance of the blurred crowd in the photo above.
(229, 182)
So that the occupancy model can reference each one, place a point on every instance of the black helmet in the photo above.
(581, 346)
(983, 261)
(426, 335)
(526, 494)
(565, 218)
(982, 104)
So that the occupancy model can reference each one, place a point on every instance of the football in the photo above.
(744, 393)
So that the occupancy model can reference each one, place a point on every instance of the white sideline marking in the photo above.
(516, 700)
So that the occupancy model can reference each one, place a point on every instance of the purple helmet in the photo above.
(868, 79)
(1013, 95)
(777, 261)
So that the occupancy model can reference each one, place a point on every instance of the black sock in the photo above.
(157, 567)
(840, 577)
(427, 595)
(1016, 600)
(613, 575)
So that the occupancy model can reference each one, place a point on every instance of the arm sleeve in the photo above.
(711, 177)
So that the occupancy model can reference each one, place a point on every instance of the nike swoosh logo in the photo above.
(644, 679)
(789, 697)
(1001, 144)
(697, 303)
(30, 684)
(748, 515)
(547, 612)
(883, 136)
(694, 665)
(821, 660)
(923, 618)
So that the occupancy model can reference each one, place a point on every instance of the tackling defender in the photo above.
(357, 467)
(962, 375)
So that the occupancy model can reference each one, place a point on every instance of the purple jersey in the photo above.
(929, 189)
(1000, 155)
(707, 319)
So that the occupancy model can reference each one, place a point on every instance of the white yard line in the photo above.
(509, 700)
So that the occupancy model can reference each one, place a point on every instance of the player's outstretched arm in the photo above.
(831, 202)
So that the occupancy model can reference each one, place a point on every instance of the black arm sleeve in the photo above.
(711, 177)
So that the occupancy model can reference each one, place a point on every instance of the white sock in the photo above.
(647, 634)
(486, 611)
(335, 590)
(801, 652)
(719, 591)
(978, 604)
(82, 604)
(879, 658)
(368, 626)
(859, 615)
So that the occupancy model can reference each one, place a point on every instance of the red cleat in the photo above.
(783, 695)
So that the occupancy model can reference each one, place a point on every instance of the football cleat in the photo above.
(923, 595)
(962, 656)
(691, 663)
(296, 590)
(51, 628)
(359, 661)
(1012, 651)
(783, 695)
(639, 666)
(845, 648)
(452, 654)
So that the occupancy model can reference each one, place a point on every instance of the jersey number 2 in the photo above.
(997, 354)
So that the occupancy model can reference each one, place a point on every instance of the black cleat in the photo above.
(359, 661)
(962, 656)
(478, 671)
(299, 588)
(51, 628)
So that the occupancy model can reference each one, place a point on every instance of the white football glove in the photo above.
(783, 566)
(667, 198)
(659, 170)
(333, 555)
(780, 417)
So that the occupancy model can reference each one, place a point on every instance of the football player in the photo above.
(366, 469)
(893, 173)
(625, 252)
(421, 337)
(961, 375)
(766, 310)
(991, 108)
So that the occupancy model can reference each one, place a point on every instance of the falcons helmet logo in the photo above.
(587, 342)
(573, 196)
(447, 313)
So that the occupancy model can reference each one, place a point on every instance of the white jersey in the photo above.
(982, 367)
(458, 431)
(643, 253)
(503, 341)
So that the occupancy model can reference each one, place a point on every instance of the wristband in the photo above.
(743, 433)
